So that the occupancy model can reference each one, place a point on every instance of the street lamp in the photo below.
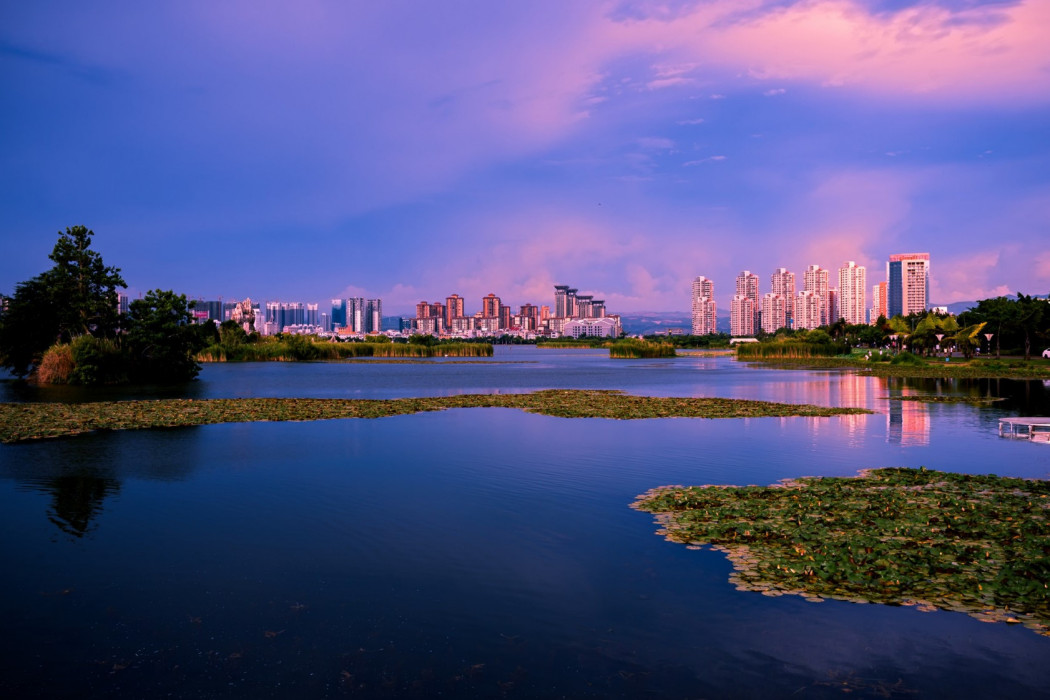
(939, 336)
(988, 337)
(893, 338)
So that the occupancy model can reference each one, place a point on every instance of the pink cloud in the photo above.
(969, 277)
(971, 53)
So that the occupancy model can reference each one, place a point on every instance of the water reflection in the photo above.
(76, 500)
(908, 423)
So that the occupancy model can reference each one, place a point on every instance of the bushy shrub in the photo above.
(907, 358)
(96, 361)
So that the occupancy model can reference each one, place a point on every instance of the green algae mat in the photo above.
(21, 422)
(936, 540)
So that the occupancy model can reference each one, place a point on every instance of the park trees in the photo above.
(1016, 323)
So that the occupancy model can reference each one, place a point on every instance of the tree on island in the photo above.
(64, 325)
(78, 296)
(161, 339)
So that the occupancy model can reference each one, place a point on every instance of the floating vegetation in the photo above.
(934, 540)
(34, 421)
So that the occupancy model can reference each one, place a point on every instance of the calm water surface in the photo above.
(474, 552)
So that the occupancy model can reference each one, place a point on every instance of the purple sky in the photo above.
(409, 150)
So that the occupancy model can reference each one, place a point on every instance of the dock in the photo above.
(1036, 429)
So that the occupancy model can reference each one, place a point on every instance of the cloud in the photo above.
(970, 52)
(712, 159)
(656, 144)
(968, 277)
(691, 122)
(774, 92)
(1042, 267)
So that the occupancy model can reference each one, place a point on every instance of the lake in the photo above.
(472, 552)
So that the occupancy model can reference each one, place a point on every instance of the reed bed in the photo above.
(790, 350)
(305, 350)
(640, 349)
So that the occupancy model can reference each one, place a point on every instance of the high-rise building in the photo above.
(453, 309)
(878, 302)
(583, 305)
(490, 306)
(564, 301)
(312, 316)
(808, 307)
(213, 309)
(598, 308)
(529, 316)
(852, 292)
(832, 305)
(908, 278)
(373, 316)
(704, 318)
(782, 282)
(815, 279)
(742, 315)
(774, 312)
(747, 286)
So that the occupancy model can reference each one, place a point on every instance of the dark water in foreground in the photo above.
(475, 552)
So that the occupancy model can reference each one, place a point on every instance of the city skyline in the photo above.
(397, 151)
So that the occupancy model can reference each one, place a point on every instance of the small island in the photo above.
(918, 537)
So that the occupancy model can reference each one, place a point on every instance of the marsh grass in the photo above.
(790, 350)
(640, 349)
(34, 421)
(306, 349)
(936, 540)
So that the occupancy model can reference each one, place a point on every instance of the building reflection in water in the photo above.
(855, 390)
(840, 389)
(907, 422)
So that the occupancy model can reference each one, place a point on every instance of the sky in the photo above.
(411, 150)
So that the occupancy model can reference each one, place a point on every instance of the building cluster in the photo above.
(574, 315)
(905, 291)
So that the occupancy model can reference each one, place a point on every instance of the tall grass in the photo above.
(639, 349)
(304, 349)
(790, 350)
(56, 366)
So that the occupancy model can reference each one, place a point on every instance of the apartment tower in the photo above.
(704, 320)
(774, 312)
(908, 278)
(852, 285)
(815, 279)
(782, 282)
(747, 286)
